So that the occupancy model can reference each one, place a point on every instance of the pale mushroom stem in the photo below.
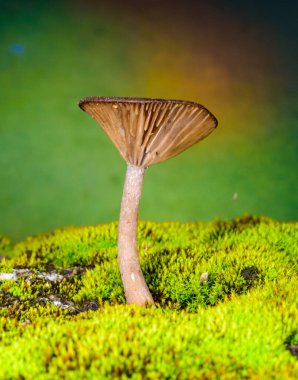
(135, 287)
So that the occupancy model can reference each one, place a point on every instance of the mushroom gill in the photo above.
(148, 131)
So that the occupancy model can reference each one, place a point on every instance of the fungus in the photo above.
(145, 132)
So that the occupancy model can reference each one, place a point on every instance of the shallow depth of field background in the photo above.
(239, 59)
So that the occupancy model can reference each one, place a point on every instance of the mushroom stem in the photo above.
(135, 287)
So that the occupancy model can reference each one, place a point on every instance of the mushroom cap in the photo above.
(148, 131)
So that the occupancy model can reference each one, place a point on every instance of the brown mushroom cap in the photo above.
(148, 131)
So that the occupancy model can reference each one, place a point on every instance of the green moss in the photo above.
(241, 323)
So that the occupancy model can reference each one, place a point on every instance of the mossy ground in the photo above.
(241, 323)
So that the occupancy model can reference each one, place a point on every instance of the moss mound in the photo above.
(63, 314)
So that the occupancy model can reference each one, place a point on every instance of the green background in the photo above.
(59, 168)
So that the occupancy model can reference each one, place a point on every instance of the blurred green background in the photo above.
(236, 58)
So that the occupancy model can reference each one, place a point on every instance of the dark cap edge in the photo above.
(115, 99)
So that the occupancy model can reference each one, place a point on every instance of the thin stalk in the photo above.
(135, 287)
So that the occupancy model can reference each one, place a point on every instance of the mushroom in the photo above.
(145, 132)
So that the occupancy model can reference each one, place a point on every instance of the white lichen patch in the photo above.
(8, 276)
(61, 304)
(16, 273)
(52, 277)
